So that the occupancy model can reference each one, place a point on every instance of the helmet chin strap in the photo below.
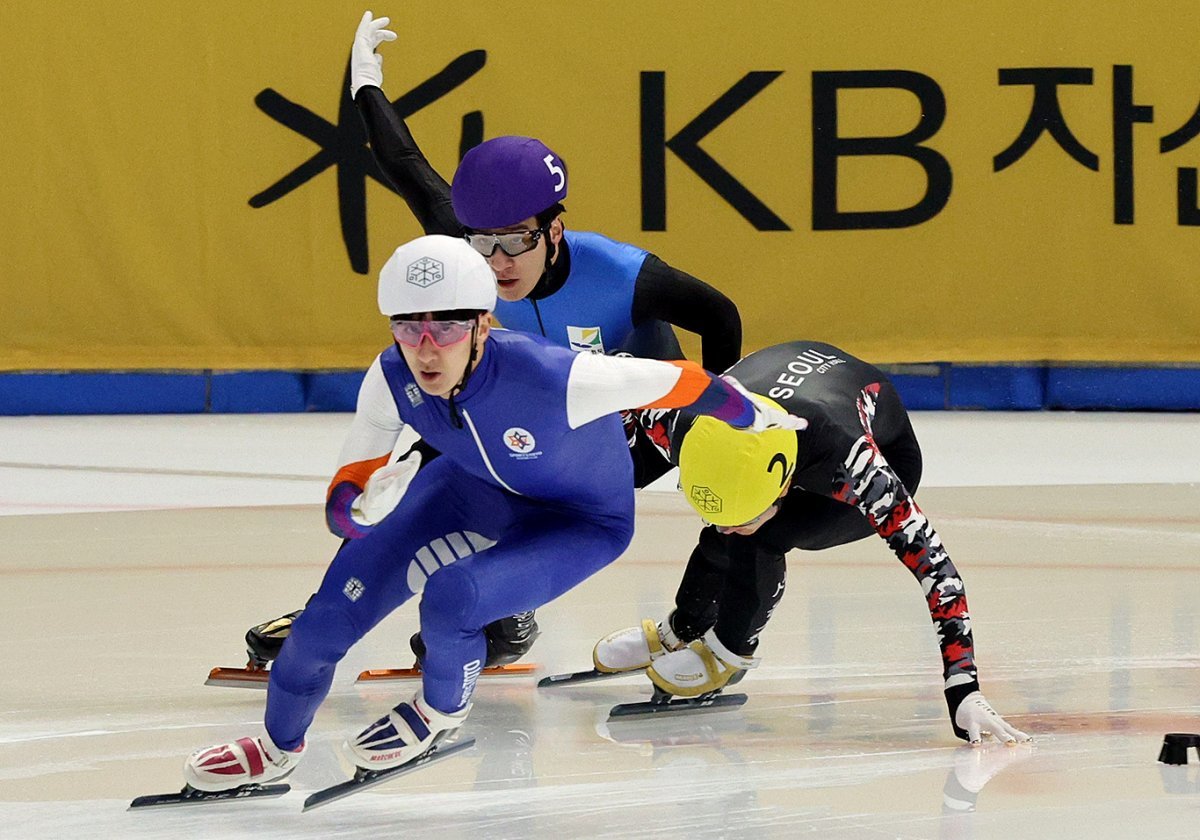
(462, 383)
(545, 284)
(548, 266)
(551, 253)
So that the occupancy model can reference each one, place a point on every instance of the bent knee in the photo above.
(450, 595)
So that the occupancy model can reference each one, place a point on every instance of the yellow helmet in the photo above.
(731, 476)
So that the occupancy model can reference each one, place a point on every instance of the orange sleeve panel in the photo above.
(357, 473)
(693, 381)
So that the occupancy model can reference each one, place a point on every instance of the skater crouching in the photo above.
(504, 521)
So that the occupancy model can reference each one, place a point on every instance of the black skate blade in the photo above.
(677, 706)
(366, 779)
(191, 796)
(584, 677)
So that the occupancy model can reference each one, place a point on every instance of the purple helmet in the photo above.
(505, 180)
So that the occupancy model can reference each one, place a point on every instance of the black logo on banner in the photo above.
(686, 146)
(829, 146)
(344, 145)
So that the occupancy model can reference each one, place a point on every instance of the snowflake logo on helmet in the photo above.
(705, 499)
(425, 272)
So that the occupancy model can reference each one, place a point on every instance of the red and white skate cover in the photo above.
(241, 762)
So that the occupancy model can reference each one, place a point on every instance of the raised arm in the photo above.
(400, 159)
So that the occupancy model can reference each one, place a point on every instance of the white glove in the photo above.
(366, 68)
(979, 719)
(385, 488)
(766, 416)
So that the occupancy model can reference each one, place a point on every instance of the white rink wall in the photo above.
(78, 464)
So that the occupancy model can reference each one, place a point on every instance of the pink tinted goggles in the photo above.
(441, 333)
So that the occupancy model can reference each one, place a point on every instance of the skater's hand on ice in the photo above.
(977, 765)
(385, 488)
(366, 67)
(766, 416)
(978, 718)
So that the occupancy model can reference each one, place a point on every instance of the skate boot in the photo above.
(703, 667)
(508, 639)
(263, 641)
(241, 762)
(634, 648)
(406, 732)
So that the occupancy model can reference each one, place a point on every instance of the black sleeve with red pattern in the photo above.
(866, 481)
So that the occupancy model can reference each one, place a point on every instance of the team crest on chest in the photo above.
(585, 339)
(414, 394)
(521, 443)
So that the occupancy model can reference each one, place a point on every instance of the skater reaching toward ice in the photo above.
(580, 290)
(851, 473)
(532, 494)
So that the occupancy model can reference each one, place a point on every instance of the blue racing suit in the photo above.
(532, 494)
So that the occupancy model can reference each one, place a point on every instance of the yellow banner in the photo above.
(185, 185)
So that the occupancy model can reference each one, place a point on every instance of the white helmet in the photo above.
(436, 274)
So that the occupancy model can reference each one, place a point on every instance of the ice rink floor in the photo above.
(135, 552)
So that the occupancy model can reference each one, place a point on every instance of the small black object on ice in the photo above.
(1175, 747)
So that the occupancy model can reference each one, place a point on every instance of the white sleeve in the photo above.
(599, 385)
(376, 424)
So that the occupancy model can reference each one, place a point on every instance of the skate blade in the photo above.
(366, 779)
(584, 677)
(247, 677)
(191, 796)
(517, 669)
(677, 706)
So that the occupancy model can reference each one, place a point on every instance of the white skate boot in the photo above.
(241, 762)
(404, 733)
(702, 667)
(634, 648)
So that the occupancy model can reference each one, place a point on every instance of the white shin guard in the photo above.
(241, 762)
(703, 666)
(634, 648)
(403, 734)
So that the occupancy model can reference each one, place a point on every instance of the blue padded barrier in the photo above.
(103, 393)
(1126, 389)
(332, 390)
(257, 391)
(996, 387)
(923, 387)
